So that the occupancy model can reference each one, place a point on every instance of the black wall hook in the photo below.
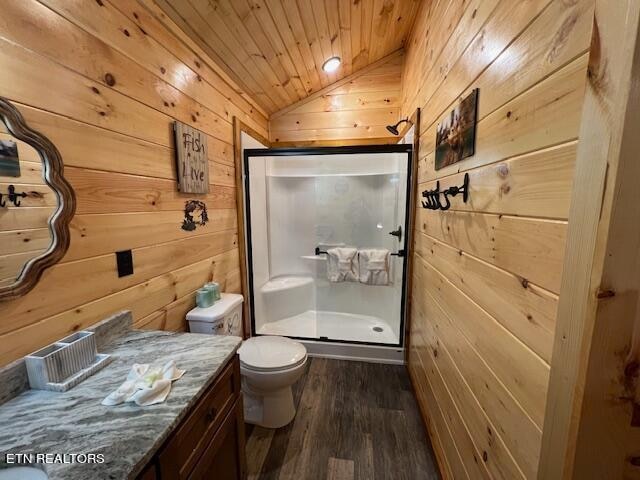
(12, 195)
(430, 201)
(464, 189)
(432, 197)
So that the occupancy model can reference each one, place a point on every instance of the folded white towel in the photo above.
(374, 265)
(145, 384)
(342, 264)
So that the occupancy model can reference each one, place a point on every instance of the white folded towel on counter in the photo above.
(374, 265)
(145, 384)
(342, 264)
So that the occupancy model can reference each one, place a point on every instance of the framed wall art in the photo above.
(9, 161)
(456, 134)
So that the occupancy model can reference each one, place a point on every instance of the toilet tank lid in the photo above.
(227, 302)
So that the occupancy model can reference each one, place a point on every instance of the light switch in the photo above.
(124, 259)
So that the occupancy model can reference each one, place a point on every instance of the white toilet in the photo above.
(269, 365)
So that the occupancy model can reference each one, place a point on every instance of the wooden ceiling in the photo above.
(275, 49)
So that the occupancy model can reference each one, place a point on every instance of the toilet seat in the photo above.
(270, 353)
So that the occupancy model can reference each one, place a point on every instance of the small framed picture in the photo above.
(9, 162)
(456, 135)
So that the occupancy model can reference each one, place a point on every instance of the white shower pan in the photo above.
(341, 326)
(288, 310)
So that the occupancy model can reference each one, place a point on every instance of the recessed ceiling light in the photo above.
(331, 65)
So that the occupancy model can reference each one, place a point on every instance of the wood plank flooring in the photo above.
(355, 421)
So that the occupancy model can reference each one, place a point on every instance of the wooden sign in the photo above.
(191, 159)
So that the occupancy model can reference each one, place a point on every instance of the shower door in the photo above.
(302, 202)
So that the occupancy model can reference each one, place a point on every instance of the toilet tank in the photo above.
(222, 318)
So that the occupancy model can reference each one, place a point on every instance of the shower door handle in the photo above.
(397, 233)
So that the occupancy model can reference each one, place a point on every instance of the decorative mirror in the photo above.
(36, 204)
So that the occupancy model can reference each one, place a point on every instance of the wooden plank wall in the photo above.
(591, 429)
(356, 109)
(104, 80)
(487, 273)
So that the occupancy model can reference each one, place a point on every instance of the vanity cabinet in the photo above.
(210, 440)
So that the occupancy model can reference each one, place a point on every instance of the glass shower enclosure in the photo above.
(299, 204)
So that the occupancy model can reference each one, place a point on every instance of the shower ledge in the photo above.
(287, 282)
(319, 258)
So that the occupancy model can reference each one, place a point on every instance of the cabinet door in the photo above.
(224, 458)
(149, 473)
(188, 442)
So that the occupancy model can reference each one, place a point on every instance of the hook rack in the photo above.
(12, 195)
(432, 197)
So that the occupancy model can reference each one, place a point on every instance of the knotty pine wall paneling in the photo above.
(354, 110)
(487, 273)
(104, 81)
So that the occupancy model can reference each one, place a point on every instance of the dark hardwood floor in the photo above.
(355, 421)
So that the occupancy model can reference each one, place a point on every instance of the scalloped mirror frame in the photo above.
(53, 169)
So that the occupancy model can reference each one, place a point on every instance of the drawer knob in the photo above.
(211, 415)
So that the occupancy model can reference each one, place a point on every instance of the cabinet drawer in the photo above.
(224, 458)
(193, 436)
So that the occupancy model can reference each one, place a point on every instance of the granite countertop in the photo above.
(75, 422)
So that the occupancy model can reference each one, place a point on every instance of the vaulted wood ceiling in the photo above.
(275, 49)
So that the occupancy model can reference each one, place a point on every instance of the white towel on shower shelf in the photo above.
(374, 265)
(342, 264)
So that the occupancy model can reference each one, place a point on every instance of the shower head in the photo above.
(394, 128)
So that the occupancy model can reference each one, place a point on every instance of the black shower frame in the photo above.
(356, 149)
